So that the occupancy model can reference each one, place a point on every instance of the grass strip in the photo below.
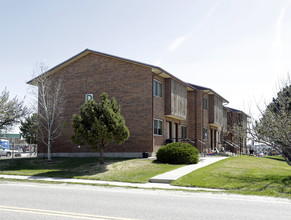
(126, 170)
(270, 176)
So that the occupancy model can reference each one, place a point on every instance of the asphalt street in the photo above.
(66, 201)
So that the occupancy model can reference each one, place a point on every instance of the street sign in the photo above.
(88, 97)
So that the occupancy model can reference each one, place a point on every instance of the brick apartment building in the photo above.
(157, 106)
(235, 140)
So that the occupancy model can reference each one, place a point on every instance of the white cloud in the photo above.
(179, 41)
(176, 43)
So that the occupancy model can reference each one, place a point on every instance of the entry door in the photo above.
(215, 138)
(169, 130)
(211, 139)
(176, 131)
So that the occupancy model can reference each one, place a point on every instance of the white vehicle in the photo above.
(5, 152)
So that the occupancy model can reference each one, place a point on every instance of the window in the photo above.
(158, 89)
(205, 134)
(158, 127)
(184, 132)
(204, 103)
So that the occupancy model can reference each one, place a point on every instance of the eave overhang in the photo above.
(208, 91)
(176, 117)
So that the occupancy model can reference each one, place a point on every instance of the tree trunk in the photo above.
(101, 150)
(49, 155)
(286, 159)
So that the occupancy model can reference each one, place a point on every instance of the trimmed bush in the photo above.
(178, 153)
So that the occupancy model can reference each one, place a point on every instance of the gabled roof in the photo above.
(155, 69)
(233, 109)
(208, 91)
(199, 87)
(236, 111)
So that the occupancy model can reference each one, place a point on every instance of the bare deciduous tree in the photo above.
(273, 128)
(238, 132)
(51, 100)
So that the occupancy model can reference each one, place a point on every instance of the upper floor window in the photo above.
(158, 127)
(158, 89)
(205, 103)
(184, 131)
(205, 133)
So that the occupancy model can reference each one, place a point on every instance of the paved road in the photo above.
(62, 201)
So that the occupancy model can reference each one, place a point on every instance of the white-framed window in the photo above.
(158, 89)
(205, 133)
(158, 127)
(184, 131)
(205, 103)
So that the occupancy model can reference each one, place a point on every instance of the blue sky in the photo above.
(239, 48)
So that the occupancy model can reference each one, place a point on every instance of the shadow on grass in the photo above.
(156, 162)
(287, 181)
(280, 184)
(59, 167)
(276, 158)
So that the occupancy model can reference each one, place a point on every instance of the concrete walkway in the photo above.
(105, 183)
(157, 182)
(177, 173)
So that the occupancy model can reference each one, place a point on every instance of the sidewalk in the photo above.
(177, 173)
(157, 182)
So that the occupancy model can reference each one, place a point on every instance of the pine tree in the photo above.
(274, 127)
(99, 124)
(11, 111)
(29, 128)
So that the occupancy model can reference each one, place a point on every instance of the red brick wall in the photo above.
(159, 113)
(129, 83)
(191, 114)
(201, 120)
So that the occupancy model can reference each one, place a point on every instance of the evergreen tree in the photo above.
(29, 128)
(274, 127)
(99, 124)
(11, 111)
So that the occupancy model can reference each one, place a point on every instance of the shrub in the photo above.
(178, 153)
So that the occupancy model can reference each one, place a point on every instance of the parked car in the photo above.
(24, 149)
(5, 152)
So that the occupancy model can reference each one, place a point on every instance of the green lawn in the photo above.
(270, 176)
(132, 170)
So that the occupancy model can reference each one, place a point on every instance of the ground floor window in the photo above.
(158, 127)
(205, 133)
(184, 131)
